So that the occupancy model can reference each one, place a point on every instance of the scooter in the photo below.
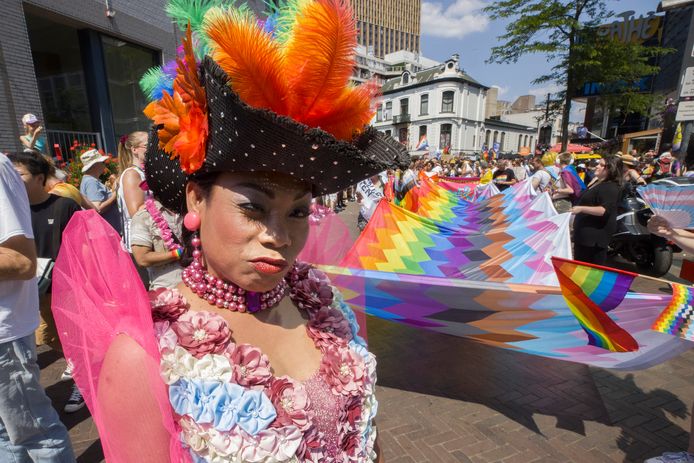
(652, 254)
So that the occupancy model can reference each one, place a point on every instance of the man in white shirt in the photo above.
(541, 178)
(369, 193)
(30, 429)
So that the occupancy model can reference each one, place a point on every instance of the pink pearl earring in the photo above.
(192, 221)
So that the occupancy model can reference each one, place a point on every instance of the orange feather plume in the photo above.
(187, 83)
(250, 57)
(319, 56)
(351, 111)
(168, 112)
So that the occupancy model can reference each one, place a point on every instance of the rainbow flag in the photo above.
(678, 317)
(590, 292)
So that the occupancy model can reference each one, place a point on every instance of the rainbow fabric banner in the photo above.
(678, 317)
(518, 202)
(397, 240)
(528, 319)
(590, 293)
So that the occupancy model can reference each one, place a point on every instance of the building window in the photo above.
(422, 131)
(402, 136)
(502, 142)
(447, 102)
(379, 113)
(405, 78)
(389, 111)
(445, 139)
(404, 106)
(389, 133)
(488, 139)
(424, 104)
(125, 64)
(531, 142)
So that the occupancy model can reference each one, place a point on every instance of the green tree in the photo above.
(564, 31)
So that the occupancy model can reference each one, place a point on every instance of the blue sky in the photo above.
(459, 26)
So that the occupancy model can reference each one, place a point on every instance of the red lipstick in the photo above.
(269, 266)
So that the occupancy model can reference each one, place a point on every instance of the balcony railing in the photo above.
(60, 141)
(401, 119)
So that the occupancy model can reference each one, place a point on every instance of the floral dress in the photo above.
(229, 405)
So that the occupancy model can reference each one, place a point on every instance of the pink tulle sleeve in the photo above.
(98, 298)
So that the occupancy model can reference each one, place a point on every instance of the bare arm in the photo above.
(17, 258)
(103, 206)
(133, 421)
(683, 238)
(132, 193)
(146, 257)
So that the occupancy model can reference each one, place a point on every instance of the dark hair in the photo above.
(33, 162)
(615, 170)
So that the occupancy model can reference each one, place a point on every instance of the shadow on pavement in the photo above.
(520, 386)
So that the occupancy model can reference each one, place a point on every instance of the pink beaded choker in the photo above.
(227, 295)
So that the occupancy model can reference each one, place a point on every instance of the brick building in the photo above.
(76, 65)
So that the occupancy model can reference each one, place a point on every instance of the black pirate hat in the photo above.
(204, 126)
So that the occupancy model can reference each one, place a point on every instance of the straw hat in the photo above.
(628, 159)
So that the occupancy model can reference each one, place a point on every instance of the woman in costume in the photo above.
(257, 358)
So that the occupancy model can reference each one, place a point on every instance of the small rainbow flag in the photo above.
(678, 317)
(590, 292)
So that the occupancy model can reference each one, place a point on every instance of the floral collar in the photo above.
(223, 390)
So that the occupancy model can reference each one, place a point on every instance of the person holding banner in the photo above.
(369, 193)
(685, 240)
(596, 214)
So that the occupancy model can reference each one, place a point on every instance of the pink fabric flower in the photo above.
(327, 326)
(312, 291)
(167, 304)
(250, 367)
(202, 333)
(350, 414)
(291, 403)
(350, 444)
(344, 370)
(311, 449)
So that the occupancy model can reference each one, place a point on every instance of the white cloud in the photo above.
(456, 20)
(502, 90)
(541, 92)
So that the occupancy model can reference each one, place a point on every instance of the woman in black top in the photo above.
(596, 213)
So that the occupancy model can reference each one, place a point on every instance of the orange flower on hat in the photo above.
(183, 115)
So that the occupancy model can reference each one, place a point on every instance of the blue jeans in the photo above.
(30, 430)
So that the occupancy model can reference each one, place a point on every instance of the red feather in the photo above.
(187, 83)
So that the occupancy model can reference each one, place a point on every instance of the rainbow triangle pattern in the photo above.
(678, 317)
(398, 240)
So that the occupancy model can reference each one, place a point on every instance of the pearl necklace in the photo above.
(226, 295)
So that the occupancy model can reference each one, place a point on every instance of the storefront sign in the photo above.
(685, 111)
(688, 83)
(630, 28)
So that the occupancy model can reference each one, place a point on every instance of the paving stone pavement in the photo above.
(446, 399)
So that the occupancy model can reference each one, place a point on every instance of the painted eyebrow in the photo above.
(267, 191)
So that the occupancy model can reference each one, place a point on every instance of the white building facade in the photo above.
(444, 105)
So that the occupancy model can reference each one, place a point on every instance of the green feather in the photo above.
(193, 11)
(286, 18)
(150, 81)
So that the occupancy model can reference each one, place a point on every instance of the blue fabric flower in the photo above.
(226, 405)
(202, 409)
(182, 396)
(349, 315)
(255, 412)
